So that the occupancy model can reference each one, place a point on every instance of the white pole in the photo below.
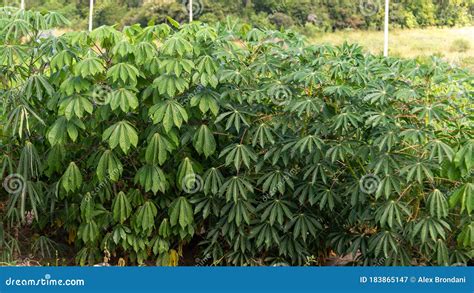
(190, 10)
(385, 45)
(22, 5)
(91, 11)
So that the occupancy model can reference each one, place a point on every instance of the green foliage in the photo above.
(308, 16)
(267, 150)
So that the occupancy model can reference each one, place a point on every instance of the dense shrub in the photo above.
(330, 14)
(143, 143)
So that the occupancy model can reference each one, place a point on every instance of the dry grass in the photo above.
(453, 44)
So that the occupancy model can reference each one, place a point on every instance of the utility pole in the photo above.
(22, 5)
(91, 12)
(190, 10)
(385, 45)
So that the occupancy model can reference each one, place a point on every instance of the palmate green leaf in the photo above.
(466, 237)
(176, 66)
(414, 136)
(206, 71)
(75, 84)
(62, 59)
(440, 150)
(87, 208)
(464, 196)
(388, 186)
(431, 113)
(392, 212)
(165, 229)
(170, 113)
(160, 246)
(29, 165)
(238, 154)
(62, 127)
(38, 86)
(275, 181)
(181, 212)
(88, 232)
(123, 72)
(109, 167)
(123, 98)
(430, 227)
(72, 178)
(380, 118)
(170, 84)
(159, 148)
(319, 170)
(276, 210)
(386, 163)
(120, 233)
(144, 218)
(105, 36)
(75, 106)
(340, 151)
(55, 19)
(121, 208)
(442, 255)
(236, 188)
(238, 211)
(327, 196)
(152, 178)
(345, 120)
(419, 171)
(121, 133)
(263, 134)
(16, 29)
(308, 106)
(304, 224)
(212, 181)
(234, 118)
(235, 76)
(206, 205)
(384, 241)
(465, 155)
(144, 52)
(306, 192)
(186, 177)
(387, 141)
(123, 48)
(89, 67)
(306, 144)
(206, 101)
(12, 54)
(438, 204)
(204, 141)
(176, 45)
(265, 234)
(377, 94)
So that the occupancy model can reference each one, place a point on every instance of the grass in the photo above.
(456, 45)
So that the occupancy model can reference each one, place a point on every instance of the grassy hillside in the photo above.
(453, 44)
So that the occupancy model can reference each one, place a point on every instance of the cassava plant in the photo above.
(248, 147)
